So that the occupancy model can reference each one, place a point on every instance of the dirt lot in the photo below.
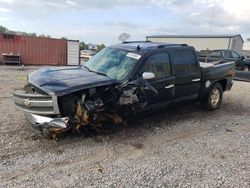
(186, 147)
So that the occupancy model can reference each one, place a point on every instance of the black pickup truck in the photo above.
(119, 82)
(222, 56)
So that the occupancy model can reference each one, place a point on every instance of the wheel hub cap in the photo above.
(215, 97)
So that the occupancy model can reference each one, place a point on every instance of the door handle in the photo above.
(196, 80)
(169, 86)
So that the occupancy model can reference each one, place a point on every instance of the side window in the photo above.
(159, 64)
(185, 61)
(235, 55)
(215, 54)
(227, 54)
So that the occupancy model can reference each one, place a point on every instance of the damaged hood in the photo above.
(64, 80)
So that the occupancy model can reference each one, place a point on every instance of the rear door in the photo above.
(159, 64)
(73, 52)
(187, 74)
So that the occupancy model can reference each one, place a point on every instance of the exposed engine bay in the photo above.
(97, 109)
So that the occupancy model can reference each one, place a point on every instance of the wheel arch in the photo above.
(223, 83)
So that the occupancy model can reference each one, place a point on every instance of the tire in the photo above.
(246, 68)
(214, 99)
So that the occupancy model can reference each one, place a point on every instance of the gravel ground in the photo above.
(185, 147)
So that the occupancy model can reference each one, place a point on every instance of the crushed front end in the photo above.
(41, 110)
(57, 100)
(91, 109)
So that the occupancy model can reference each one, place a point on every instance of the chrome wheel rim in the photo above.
(215, 97)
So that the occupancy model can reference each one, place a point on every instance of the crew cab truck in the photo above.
(222, 56)
(119, 82)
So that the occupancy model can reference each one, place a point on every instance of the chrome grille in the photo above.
(36, 103)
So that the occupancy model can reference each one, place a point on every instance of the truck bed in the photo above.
(215, 72)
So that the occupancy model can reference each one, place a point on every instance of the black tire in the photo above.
(246, 68)
(214, 98)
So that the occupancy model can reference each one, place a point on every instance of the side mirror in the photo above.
(148, 75)
(242, 57)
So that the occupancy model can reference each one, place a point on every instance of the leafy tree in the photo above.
(100, 47)
(83, 46)
(248, 39)
(6, 30)
(32, 34)
(123, 37)
(41, 35)
(3, 29)
(10, 32)
(44, 36)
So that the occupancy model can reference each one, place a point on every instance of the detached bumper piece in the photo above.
(55, 127)
(48, 127)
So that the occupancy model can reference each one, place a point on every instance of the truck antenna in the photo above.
(138, 48)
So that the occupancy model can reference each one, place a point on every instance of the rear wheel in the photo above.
(214, 98)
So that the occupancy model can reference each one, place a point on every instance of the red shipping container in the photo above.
(34, 50)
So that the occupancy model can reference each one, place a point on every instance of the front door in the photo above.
(159, 64)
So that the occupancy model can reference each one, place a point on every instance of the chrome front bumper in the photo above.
(41, 123)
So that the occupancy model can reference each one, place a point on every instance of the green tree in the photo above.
(41, 35)
(3, 29)
(32, 34)
(83, 46)
(248, 39)
(100, 47)
(44, 36)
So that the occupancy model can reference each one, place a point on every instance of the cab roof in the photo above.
(145, 45)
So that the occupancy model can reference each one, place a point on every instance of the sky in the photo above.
(101, 21)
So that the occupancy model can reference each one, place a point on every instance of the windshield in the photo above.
(114, 63)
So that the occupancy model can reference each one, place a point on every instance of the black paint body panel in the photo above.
(65, 80)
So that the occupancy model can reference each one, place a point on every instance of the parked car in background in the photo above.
(222, 56)
(119, 82)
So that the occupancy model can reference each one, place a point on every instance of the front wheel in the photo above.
(246, 68)
(214, 98)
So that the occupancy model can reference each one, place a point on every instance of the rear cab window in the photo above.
(227, 54)
(185, 61)
(215, 54)
(235, 55)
